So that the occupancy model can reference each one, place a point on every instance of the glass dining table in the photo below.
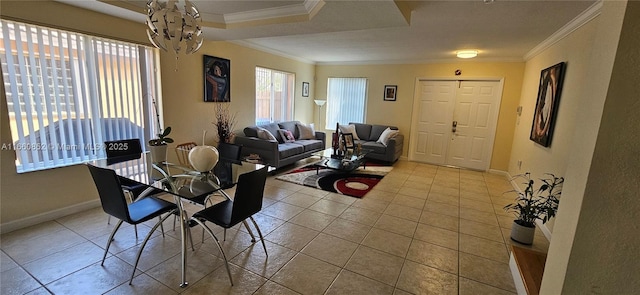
(183, 183)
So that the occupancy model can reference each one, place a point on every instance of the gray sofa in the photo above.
(369, 134)
(278, 153)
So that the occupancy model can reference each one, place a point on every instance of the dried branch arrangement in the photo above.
(225, 122)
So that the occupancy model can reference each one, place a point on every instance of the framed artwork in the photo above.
(347, 140)
(390, 92)
(217, 79)
(305, 89)
(546, 109)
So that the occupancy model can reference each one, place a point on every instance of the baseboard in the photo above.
(501, 172)
(47, 216)
(544, 229)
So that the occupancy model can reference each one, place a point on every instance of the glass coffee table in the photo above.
(347, 162)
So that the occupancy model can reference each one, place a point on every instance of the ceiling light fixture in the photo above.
(467, 53)
(166, 22)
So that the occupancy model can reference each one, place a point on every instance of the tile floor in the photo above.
(422, 230)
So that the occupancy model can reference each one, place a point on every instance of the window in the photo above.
(274, 96)
(68, 93)
(346, 101)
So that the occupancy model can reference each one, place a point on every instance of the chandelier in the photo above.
(168, 26)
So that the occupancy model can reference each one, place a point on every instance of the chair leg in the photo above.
(226, 263)
(146, 239)
(113, 233)
(190, 238)
(135, 228)
(259, 234)
(253, 238)
(161, 226)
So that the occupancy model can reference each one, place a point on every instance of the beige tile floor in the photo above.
(422, 230)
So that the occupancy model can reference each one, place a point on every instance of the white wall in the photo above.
(596, 146)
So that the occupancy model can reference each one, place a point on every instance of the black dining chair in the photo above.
(115, 204)
(119, 151)
(123, 150)
(246, 202)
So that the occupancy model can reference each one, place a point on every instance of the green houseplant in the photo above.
(158, 146)
(162, 139)
(533, 204)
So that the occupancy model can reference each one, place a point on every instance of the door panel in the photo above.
(476, 110)
(432, 121)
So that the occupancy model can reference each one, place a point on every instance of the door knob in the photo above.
(454, 125)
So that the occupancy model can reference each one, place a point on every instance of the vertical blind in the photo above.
(274, 96)
(68, 93)
(346, 101)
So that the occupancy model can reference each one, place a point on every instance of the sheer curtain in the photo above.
(67, 93)
(346, 101)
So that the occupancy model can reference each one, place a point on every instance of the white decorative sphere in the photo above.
(203, 158)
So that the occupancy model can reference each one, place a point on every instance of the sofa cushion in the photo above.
(273, 128)
(386, 135)
(376, 147)
(265, 134)
(291, 126)
(289, 149)
(286, 135)
(310, 144)
(363, 130)
(251, 131)
(306, 131)
(376, 131)
(346, 129)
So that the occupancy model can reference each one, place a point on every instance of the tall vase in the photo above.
(158, 153)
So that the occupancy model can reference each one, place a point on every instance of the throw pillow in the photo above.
(286, 135)
(386, 135)
(306, 131)
(265, 134)
(349, 129)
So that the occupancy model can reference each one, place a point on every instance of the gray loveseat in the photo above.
(278, 153)
(369, 134)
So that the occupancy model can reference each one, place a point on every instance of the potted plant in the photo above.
(225, 122)
(158, 146)
(532, 204)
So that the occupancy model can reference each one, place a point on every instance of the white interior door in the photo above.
(432, 116)
(475, 115)
(472, 106)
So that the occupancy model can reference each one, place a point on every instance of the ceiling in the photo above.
(379, 31)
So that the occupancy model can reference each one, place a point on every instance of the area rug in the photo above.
(356, 183)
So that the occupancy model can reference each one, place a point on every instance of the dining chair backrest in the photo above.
(123, 150)
(229, 152)
(182, 151)
(228, 155)
(110, 191)
(249, 194)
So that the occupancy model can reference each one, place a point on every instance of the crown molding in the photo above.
(305, 8)
(270, 51)
(580, 20)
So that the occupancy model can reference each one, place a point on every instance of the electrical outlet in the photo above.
(519, 164)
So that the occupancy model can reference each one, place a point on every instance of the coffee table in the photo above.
(348, 162)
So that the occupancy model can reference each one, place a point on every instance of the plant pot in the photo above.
(522, 234)
(158, 153)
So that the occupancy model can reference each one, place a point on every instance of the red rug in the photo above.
(356, 184)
